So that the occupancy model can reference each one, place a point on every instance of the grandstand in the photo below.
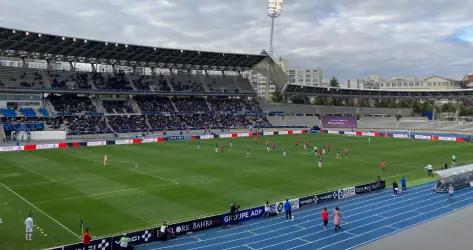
(95, 87)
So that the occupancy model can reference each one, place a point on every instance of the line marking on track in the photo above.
(350, 202)
(38, 209)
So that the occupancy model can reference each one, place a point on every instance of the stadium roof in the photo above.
(19, 43)
(294, 90)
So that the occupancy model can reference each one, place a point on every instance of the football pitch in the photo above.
(146, 184)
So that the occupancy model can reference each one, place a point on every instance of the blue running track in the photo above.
(365, 218)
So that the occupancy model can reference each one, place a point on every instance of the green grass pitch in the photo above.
(146, 184)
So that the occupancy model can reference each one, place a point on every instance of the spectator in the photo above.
(337, 217)
(86, 238)
(403, 184)
(124, 242)
(288, 210)
(324, 216)
(395, 188)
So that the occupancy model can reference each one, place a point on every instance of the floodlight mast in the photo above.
(274, 10)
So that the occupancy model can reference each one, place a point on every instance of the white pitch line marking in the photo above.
(38, 209)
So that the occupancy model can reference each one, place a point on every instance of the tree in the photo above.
(334, 82)
(276, 96)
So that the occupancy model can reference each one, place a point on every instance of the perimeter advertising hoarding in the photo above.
(195, 225)
(339, 122)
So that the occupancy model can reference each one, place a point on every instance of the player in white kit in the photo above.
(29, 228)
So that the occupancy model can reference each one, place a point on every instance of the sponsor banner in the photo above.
(290, 132)
(404, 136)
(100, 244)
(47, 146)
(326, 197)
(294, 205)
(243, 134)
(62, 145)
(377, 134)
(30, 147)
(268, 132)
(295, 132)
(136, 238)
(447, 138)
(282, 132)
(422, 137)
(352, 133)
(367, 133)
(149, 140)
(308, 200)
(137, 141)
(206, 137)
(225, 136)
(96, 143)
(195, 137)
(161, 139)
(459, 139)
(358, 133)
(175, 138)
(434, 138)
(11, 148)
(243, 215)
(304, 131)
(110, 142)
(122, 142)
(330, 121)
(346, 192)
(235, 135)
(333, 132)
(366, 188)
(195, 225)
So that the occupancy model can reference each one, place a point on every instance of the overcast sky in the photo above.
(349, 39)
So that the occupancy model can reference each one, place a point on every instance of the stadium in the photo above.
(148, 147)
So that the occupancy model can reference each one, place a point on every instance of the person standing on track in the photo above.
(337, 217)
(29, 228)
(451, 190)
(403, 184)
(395, 188)
(378, 184)
(287, 209)
(324, 216)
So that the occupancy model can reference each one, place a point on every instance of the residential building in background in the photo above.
(468, 81)
(307, 77)
(433, 83)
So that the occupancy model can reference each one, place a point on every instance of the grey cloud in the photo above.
(348, 39)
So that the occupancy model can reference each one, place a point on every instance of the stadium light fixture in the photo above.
(39, 35)
(27, 33)
(63, 38)
(274, 10)
(13, 31)
(85, 41)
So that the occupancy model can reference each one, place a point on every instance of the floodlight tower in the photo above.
(274, 10)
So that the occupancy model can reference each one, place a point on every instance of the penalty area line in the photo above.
(38, 209)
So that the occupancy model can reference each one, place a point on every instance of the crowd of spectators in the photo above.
(69, 80)
(77, 125)
(117, 107)
(126, 124)
(154, 104)
(186, 85)
(190, 104)
(159, 114)
(116, 81)
(72, 104)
